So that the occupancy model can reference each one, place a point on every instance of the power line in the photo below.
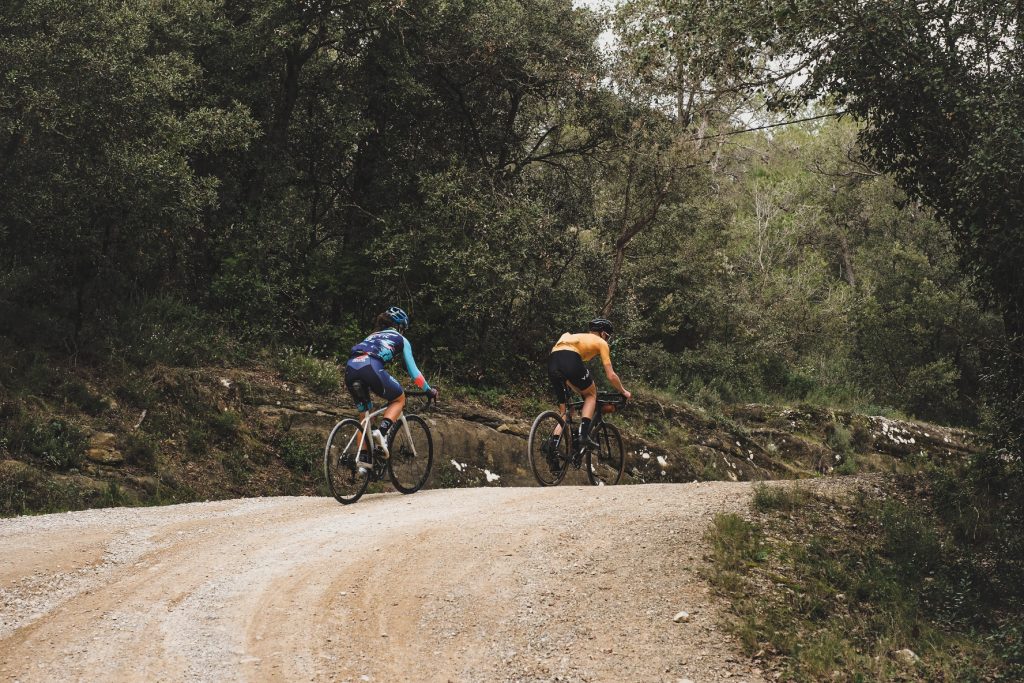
(769, 125)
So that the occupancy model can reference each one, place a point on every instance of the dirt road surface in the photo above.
(509, 584)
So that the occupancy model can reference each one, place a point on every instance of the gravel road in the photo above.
(497, 584)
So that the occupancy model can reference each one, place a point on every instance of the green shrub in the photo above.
(225, 425)
(165, 329)
(300, 452)
(735, 542)
(56, 444)
(784, 498)
(27, 490)
(140, 451)
(839, 438)
(79, 393)
(319, 375)
(236, 464)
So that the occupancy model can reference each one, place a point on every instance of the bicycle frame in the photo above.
(366, 426)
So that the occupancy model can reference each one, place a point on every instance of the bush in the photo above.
(300, 452)
(164, 329)
(225, 425)
(319, 375)
(56, 444)
(783, 498)
(140, 451)
(79, 393)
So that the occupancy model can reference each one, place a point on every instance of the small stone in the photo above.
(906, 657)
(681, 617)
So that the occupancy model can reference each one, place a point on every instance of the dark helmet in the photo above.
(601, 325)
(399, 317)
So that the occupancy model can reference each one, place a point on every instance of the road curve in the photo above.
(498, 584)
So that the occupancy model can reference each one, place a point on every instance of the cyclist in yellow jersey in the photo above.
(566, 366)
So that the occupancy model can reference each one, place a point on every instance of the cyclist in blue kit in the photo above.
(366, 364)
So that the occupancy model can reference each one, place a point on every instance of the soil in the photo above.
(512, 584)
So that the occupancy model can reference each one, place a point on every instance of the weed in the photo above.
(79, 393)
(783, 498)
(140, 451)
(848, 465)
(237, 465)
(225, 425)
(841, 585)
(319, 375)
(300, 452)
(113, 496)
(196, 440)
(838, 438)
(56, 444)
(735, 541)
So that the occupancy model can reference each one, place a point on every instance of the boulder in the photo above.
(102, 449)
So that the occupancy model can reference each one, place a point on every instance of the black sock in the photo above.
(385, 425)
(584, 429)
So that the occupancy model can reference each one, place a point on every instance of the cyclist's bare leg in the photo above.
(396, 407)
(589, 400)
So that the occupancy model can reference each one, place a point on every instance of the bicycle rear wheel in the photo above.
(412, 454)
(341, 468)
(606, 462)
(548, 453)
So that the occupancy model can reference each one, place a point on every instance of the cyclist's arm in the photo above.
(610, 373)
(410, 366)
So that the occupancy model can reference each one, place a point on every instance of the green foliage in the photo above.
(186, 182)
(301, 452)
(53, 443)
(225, 425)
(78, 392)
(868, 576)
(319, 375)
(165, 329)
(141, 450)
(784, 499)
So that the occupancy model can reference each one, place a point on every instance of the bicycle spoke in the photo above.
(341, 468)
(606, 463)
(548, 448)
(412, 453)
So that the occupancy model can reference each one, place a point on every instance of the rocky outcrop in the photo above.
(102, 449)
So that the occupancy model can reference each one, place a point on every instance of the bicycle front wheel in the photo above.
(606, 462)
(341, 467)
(412, 454)
(548, 448)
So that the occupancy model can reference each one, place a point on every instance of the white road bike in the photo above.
(407, 461)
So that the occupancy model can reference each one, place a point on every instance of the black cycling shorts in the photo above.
(567, 366)
(374, 377)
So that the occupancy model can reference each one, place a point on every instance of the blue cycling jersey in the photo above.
(387, 344)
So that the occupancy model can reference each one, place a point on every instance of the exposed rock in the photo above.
(681, 617)
(102, 449)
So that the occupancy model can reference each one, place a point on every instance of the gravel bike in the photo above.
(410, 453)
(552, 445)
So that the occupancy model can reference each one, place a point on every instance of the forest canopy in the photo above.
(190, 181)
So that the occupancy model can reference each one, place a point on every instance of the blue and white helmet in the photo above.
(399, 317)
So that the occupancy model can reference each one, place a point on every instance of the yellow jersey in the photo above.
(587, 344)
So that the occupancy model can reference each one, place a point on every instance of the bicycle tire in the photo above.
(540, 433)
(409, 464)
(343, 476)
(611, 457)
